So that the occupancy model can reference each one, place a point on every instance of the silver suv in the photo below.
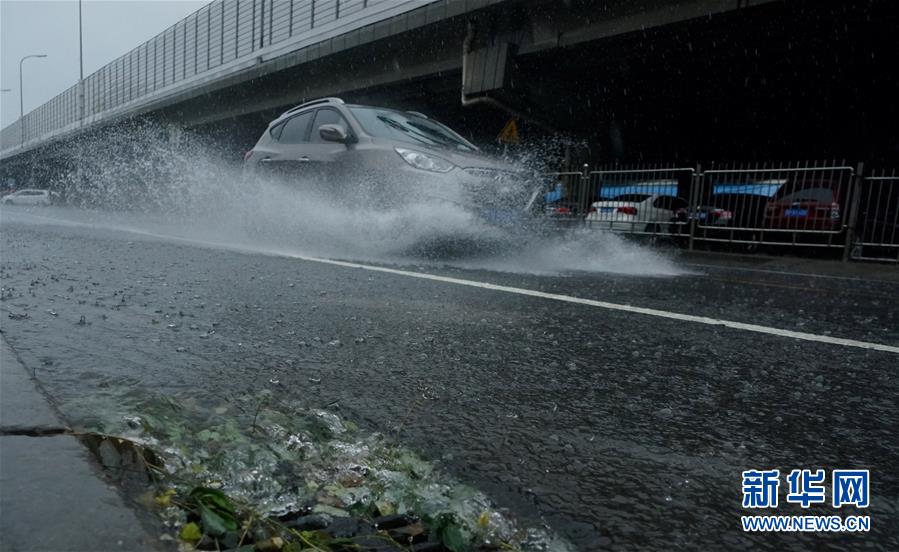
(387, 157)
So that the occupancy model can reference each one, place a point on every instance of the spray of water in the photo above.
(136, 177)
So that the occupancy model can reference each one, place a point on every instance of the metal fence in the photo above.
(810, 205)
(801, 204)
(222, 36)
(877, 230)
(638, 200)
(566, 200)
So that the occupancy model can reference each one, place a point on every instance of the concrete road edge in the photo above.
(53, 494)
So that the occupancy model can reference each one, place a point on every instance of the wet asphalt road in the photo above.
(618, 430)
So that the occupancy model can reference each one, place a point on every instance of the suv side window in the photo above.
(326, 116)
(296, 129)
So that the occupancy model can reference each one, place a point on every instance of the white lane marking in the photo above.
(613, 306)
(534, 293)
(788, 273)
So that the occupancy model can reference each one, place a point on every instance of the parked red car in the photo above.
(805, 205)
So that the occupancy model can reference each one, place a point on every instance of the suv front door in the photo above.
(327, 161)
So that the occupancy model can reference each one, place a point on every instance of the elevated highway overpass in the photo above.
(639, 78)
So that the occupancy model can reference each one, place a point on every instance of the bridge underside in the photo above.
(781, 80)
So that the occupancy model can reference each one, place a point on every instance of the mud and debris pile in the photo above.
(259, 474)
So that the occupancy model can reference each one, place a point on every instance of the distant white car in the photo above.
(635, 212)
(29, 197)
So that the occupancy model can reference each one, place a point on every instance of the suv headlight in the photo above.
(425, 161)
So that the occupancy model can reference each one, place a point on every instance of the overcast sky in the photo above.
(111, 28)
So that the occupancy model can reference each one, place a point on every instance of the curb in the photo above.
(53, 495)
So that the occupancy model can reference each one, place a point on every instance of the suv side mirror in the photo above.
(333, 133)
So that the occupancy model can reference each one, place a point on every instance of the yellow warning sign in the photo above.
(509, 133)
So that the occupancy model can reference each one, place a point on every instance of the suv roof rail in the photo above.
(313, 102)
(419, 113)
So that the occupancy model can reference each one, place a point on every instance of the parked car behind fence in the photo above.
(30, 197)
(813, 204)
(635, 212)
(822, 205)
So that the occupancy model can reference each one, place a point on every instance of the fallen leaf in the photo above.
(190, 532)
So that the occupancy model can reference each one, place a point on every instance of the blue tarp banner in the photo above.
(553, 196)
(766, 189)
(662, 187)
(669, 188)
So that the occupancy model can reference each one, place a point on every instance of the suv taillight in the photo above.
(834, 211)
(627, 210)
(247, 155)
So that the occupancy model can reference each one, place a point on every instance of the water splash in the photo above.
(134, 178)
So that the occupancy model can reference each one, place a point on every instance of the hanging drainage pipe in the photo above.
(466, 101)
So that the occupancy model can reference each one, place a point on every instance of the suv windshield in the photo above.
(406, 127)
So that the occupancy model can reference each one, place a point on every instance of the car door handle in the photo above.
(266, 160)
(303, 159)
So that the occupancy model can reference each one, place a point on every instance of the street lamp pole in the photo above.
(21, 100)
(5, 89)
(80, 69)
(80, 47)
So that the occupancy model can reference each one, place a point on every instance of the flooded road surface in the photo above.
(614, 428)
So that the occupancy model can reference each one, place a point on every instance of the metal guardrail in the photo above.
(877, 231)
(775, 205)
(564, 201)
(638, 200)
(221, 36)
(587, 196)
(828, 205)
